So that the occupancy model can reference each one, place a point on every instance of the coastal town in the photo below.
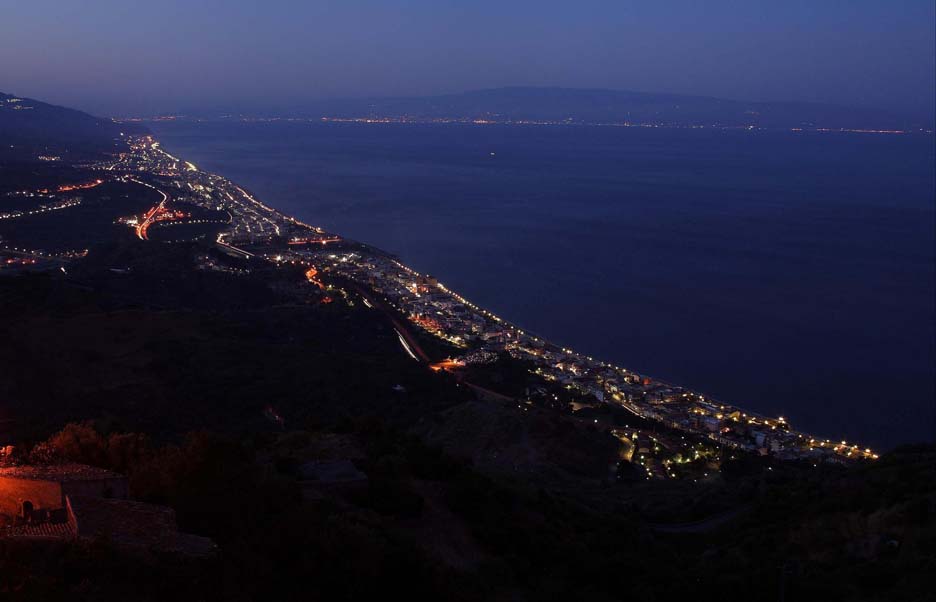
(482, 337)
(194, 204)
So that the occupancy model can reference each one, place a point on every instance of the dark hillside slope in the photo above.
(38, 126)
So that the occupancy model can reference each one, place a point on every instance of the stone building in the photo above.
(75, 501)
(28, 491)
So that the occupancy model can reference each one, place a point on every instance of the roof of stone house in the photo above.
(331, 471)
(135, 524)
(58, 472)
(194, 545)
(46, 530)
(121, 518)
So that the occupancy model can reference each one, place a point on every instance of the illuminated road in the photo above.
(150, 215)
(414, 350)
(406, 347)
(407, 339)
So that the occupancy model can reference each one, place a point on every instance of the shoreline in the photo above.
(527, 345)
(468, 122)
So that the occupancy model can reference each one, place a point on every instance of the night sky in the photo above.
(124, 57)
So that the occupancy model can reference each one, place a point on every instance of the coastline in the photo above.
(704, 417)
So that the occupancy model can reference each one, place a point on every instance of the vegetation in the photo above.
(430, 526)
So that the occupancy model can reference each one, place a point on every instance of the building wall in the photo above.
(72, 519)
(42, 494)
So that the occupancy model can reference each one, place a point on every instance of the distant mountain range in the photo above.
(41, 126)
(608, 106)
(29, 122)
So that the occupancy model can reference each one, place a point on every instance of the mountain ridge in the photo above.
(39, 126)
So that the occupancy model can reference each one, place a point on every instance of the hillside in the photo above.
(427, 522)
(35, 126)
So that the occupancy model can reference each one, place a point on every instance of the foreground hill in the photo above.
(612, 106)
(270, 387)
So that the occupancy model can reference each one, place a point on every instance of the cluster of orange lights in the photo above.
(427, 323)
(448, 365)
(310, 275)
(20, 261)
(67, 187)
(70, 187)
(159, 213)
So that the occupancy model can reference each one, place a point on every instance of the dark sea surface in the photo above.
(789, 273)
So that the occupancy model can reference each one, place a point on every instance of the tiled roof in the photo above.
(136, 525)
(42, 530)
(331, 471)
(121, 518)
(58, 472)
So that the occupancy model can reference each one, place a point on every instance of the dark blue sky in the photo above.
(124, 56)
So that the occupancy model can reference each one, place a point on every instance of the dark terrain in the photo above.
(210, 390)
(175, 393)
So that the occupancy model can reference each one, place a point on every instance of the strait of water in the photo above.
(789, 273)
